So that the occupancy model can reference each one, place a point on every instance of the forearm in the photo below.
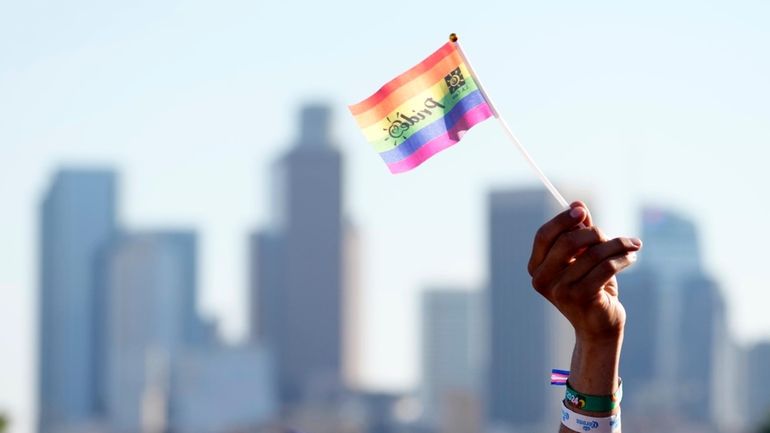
(594, 370)
(574, 266)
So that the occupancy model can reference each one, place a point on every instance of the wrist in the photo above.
(605, 336)
(595, 365)
(604, 347)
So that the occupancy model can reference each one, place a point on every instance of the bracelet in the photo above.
(593, 403)
(578, 422)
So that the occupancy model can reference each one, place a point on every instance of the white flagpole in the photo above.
(552, 189)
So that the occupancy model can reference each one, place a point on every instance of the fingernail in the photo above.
(636, 241)
(578, 213)
(632, 257)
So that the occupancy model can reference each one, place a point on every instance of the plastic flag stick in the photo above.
(543, 178)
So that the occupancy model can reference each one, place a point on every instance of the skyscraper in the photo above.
(266, 270)
(527, 336)
(729, 399)
(150, 318)
(638, 361)
(298, 284)
(757, 380)
(671, 244)
(672, 252)
(78, 218)
(451, 352)
(702, 335)
(678, 355)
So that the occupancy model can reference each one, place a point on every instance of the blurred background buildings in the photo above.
(123, 348)
(527, 336)
(188, 106)
(298, 278)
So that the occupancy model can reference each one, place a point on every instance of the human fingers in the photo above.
(597, 254)
(588, 222)
(567, 246)
(550, 231)
(602, 273)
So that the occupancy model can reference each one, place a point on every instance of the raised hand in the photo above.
(573, 265)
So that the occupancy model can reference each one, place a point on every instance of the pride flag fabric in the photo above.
(559, 377)
(422, 111)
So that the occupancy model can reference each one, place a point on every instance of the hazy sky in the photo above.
(656, 102)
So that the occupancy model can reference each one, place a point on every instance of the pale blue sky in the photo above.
(656, 102)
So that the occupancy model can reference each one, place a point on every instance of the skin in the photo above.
(574, 266)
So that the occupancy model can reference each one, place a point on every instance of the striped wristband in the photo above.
(593, 403)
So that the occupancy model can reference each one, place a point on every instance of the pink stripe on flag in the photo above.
(473, 116)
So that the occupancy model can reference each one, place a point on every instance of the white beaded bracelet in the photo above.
(579, 422)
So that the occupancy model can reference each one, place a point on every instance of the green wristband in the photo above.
(593, 403)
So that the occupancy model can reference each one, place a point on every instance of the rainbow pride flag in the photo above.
(424, 110)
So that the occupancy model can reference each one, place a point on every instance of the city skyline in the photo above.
(166, 360)
(685, 250)
(126, 301)
(677, 239)
(123, 347)
(179, 113)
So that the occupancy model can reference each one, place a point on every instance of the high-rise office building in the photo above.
(678, 354)
(150, 318)
(757, 378)
(352, 295)
(78, 218)
(671, 251)
(266, 270)
(702, 335)
(671, 245)
(451, 357)
(298, 277)
(526, 336)
(638, 360)
(728, 383)
(216, 388)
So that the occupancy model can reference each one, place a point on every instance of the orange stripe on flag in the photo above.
(397, 97)
(402, 79)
